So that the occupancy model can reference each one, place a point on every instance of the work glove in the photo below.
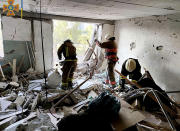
(97, 42)
(60, 57)
(61, 63)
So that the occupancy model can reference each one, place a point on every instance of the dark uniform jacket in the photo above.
(134, 75)
(110, 49)
(68, 50)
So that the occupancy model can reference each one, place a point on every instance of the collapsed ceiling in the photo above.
(102, 9)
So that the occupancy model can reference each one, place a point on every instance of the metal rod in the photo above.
(172, 92)
(29, 55)
(71, 92)
(164, 112)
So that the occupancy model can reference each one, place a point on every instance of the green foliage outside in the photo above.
(78, 32)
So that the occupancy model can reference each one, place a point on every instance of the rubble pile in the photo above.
(29, 102)
(25, 104)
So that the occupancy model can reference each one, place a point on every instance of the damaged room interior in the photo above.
(89, 65)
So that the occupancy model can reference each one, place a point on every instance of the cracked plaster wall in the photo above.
(155, 41)
(16, 29)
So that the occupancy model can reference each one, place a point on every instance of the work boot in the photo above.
(113, 86)
(63, 87)
(70, 85)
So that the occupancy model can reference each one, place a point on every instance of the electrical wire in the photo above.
(42, 43)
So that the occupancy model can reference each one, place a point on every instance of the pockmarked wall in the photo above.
(155, 42)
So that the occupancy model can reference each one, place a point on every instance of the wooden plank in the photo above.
(15, 125)
(5, 123)
(127, 117)
(56, 96)
(14, 76)
(14, 67)
(12, 114)
(35, 102)
(20, 64)
(28, 102)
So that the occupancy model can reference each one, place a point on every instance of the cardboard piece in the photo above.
(127, 117)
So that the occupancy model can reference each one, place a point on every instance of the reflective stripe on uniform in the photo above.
(70, 60)
(111, 56)
(70, 79)
(122, 77)
(111, 50)
(134, 81)
(64, 84)
(113, 82)
(67, 52)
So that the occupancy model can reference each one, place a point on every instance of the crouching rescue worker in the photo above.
(111, 54)
(131, 68)
(69, 64)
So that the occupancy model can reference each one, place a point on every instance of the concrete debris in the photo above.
(20, 100)
(92, 95)
(26, 103)
(14, 126)
(6, 122)
(4, 104)
(3, 85)
(13, 83)
(12, 114)
(67, 111)
(54, 79)
(40, 123)
(11, 97)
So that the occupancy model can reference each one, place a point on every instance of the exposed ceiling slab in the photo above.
(103, 9)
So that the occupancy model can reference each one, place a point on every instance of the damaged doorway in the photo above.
(79, 32)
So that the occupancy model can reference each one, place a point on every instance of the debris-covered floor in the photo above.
(30, 105)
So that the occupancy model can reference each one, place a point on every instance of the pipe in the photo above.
(164, 112)
(168, 92)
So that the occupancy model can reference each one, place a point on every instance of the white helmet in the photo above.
(130, 65)
(107, 36)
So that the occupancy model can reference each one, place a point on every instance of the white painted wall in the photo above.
(16, 29)
(148, 33)
(48, 45)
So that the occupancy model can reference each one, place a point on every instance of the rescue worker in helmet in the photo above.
(131, 68)
(111, 55)
(69, 64)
